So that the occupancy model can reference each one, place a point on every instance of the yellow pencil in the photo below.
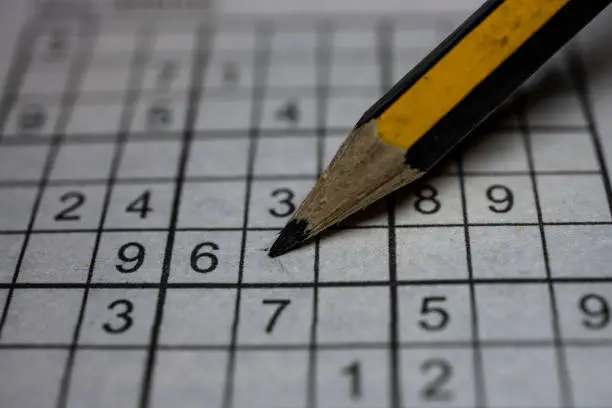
(429, 111)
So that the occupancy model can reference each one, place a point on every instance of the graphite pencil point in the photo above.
(291, 236)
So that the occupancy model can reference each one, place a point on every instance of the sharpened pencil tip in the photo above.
(290, 237)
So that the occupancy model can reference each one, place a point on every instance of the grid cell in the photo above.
(286, 157)
(83, 162)
(212, 205)
(196, 376)
(579, 251)
(294, 41)
(98, 79)
(431, 254)
(424, 38)
(573, 198)
(182, 42)
(210, 256)
(501, 151)
(404, 60)
(44, 82)
(55, 47)
(517, 312)
(507, 252)
(294, 112)
(87, 119)
(263, 380)
(10, 248)
(96, 372)
(130, 257)
(273, 202)
(435, 313)
(442, 378)
(244, 40)
(589, 370)
(550, 151)
(275, 316)
(196, 317)
(343, 319)
(436, 201)
(13, 157)
(347, 378)
(33, 379)
(41, 316)
(295, 266)
(150, 159)
(230, 71)
(302, 74)
(118, 316)
(584, 310)
(343, 111)
(70, 207)
(216, 158)
(115, 39)
(53, 258)
(500, 199)
(159, 114)
(352, 71)
(32, 117)
(507, 383)
(346, 38)
(140, 206)
(166, 73)
(16, 207)
(211, 110)
(360, 255)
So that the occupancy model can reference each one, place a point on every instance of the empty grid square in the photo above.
(344, 38)
(89, 119)
(425, 38)
(158, 115)
(12, 159)
(140, 205)
(44, 82)
(262, 379)
(507, 252)
(507, 383)
(589, 370)
(106, 379)
(196, 376)
(294, 112)
(421, 374)
(15, 207)
(517, 312)
(343, 318)
(295, 156)
(150, 159)
(42, 316)
(573, 198)
(10, 248)
(436, 201)
(31, 377)
(584, 310)
(59, 259)
(405, 60)
(118, 316)
(106, 79)
(290, 74)
(352, 378)
(294, 41)
(500, 199)
(212, 114)
(295, 266)
(435, 313)
(343, 111)
(563, 151)
(501, 151)
(273, 202)
(212, 205)
(218, 157)
(83, 161)
(70, 207)
(354, 71)
(275, 316)
(360, 255)
(243, 40)
(579, 251)
(431, 253)
(130, 257)
(196, 317)
(175, 41)
(206, 256)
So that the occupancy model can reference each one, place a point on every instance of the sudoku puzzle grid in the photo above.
(146, 167)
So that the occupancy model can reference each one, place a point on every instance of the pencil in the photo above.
(437, 104)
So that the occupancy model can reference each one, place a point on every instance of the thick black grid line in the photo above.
(385, 47)
(480, 397)
(565, 391)
(199, 64)
(144, 44)
(76, 71)
(323, 65)
(263, 38)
